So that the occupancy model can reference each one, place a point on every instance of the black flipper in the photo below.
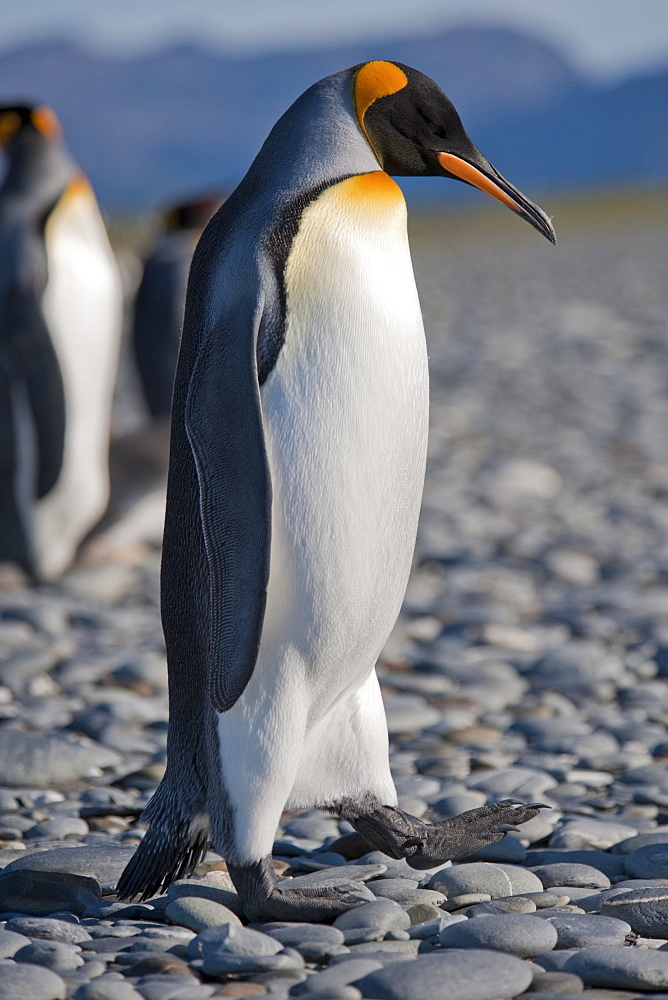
(224, 426)
(28, 344)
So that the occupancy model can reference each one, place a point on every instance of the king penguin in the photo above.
(158, 312)
(60, 329)
(299, 441)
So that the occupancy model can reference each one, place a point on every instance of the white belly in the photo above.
(83, 305)
(345, 413)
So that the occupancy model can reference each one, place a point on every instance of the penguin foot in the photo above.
(265, 898)
(425, 845)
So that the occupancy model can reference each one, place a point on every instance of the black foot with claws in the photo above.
(425, 845)
(264, 898)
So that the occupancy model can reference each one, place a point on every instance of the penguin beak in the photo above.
(489, 180)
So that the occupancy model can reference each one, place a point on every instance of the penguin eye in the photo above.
(436, 128)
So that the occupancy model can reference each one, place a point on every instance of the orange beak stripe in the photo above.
(460, 168)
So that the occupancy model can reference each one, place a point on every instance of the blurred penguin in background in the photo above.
(159, 305)
(60, 331)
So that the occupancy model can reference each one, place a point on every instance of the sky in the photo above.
(605, 38)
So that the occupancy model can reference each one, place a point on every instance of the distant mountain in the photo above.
(186, 118)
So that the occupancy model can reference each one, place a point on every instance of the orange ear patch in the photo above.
(46, 122)
(375, 80)
(10, 123)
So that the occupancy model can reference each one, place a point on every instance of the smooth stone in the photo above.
(659, 836)
(403, 892)
(556, 960)
(650, 861)
(332, 876)
(198, 913)
(49, 929)
(565, 874)
(646, 910)
(28, 759)
(556, 982)
(514, 904)
(59, 828)
(30, 982)
(54, 955)
(220, 963)
(432, 928)
(107, 988)
(482, 876)
(407, 949)
(585, 930)
(621, 968)
(508, 849)
(609, 864)
(40, 893)
(105, 863)
(336, 976)
(10, 942)
(448, 976)
(526, 782)
(378, 917)
(518, 934)
(233, 939)
(579, 832)
(295, 934)
(422, 912)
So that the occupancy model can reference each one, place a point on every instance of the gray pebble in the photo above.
(518, 934)
(609, 864)
(650, 861)
(40, 893)
(30, 982)
(103, 863)
(508, 849)
(577, 833)
(293, 934)
(336, 976)
(621, 968)
(54, 955)
(566, 874)
(49, 929)
(49, 761)
(584, 930)
(107, 988)
(376, 918)
(220, 963)
(448, 976)
(234, 940)
(10, 942)
(556, 982)
(646, 910)
(641, 840)
(512, 904)
(482, 876)
(198, 913)
(402, 891)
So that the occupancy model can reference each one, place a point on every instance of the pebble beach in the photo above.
(530, 661)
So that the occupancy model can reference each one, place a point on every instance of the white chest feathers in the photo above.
(345, 412)
(82, 305)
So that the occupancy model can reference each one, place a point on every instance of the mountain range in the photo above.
(163, 125)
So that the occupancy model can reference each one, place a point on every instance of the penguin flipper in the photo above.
(224, 427)
(36, 364)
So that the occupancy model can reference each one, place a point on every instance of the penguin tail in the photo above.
(172, 847)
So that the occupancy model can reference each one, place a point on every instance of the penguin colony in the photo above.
(299, 435)
(60, 329)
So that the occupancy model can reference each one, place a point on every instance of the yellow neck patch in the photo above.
(46, 122)
(375, 80)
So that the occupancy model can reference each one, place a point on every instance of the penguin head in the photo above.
(414, 130)
(24, 119)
